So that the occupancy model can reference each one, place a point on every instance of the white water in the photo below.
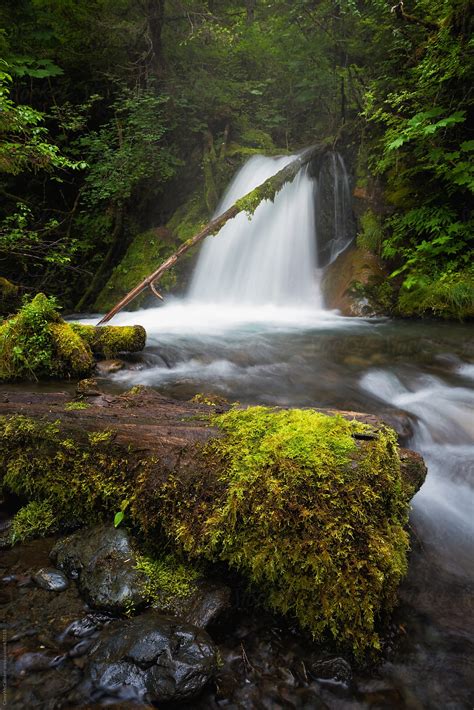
(267, 260)
(342, 209)
(444, 435)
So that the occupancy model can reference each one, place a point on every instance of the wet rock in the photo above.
(108, 367)
(33, 662)
(103, 561)
(332, 670)
(88, 388)
(153, 657)
(206, 604)
(353, 266)
(51, 579)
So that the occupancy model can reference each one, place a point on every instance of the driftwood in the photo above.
(248, 203)
(158, 427)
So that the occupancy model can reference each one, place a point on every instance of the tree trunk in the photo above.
(163, 429)
(248, 203)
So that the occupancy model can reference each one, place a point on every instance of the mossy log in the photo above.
(248, 203)
(110, 340)
(311, 507)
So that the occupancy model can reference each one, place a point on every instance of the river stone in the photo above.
(332, 670)
(103, 561)
(51, 579)
(202, 608)
(153, 658)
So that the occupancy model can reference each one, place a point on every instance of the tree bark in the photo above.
(155, 426)
(248, 203)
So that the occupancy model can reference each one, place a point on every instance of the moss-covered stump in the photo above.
(311, 508)
(109, 340)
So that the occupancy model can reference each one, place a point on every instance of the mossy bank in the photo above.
(311, 509)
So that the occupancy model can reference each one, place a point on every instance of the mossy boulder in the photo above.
(36, 343)
(356, 284)
(311, 509)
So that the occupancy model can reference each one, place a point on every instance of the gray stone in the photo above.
(103, 561)
(153, 658)
(51, 579)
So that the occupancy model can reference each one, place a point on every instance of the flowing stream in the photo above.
(253, 328)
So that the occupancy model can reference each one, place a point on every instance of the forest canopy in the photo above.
(111, 112)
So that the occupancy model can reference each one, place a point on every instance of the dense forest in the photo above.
(122, 117)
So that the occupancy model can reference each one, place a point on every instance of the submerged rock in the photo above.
(202, 607)
(103, 561)
(51, 579)
(154, 658)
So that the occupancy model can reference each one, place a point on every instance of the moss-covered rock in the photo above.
(109, 340)
(37, 344)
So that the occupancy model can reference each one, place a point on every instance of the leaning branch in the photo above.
(248, 204)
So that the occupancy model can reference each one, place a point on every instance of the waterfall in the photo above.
(269, 259)
(273, 258)
(334, 218)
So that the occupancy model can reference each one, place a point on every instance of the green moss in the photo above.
(77, 405)
(37, 344)
(190, 218)
(36, 519)
(146, 252)
(110, 340)
(314, 519)
(450, 295)
(168, 579)
(80, 480)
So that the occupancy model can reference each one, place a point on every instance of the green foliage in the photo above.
(120, 514)
(451, 295)
(76, 405)
(370, 236)
(321, 535)
(127, 149)
(36, 344)
(36, 519)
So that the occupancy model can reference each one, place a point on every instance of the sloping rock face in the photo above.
(153, 658)
(342, 280)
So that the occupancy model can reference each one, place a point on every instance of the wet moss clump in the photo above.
(80, 482)
(308, 513)
(36, 519)
(168, 579)
(36, 343)
(110, 340)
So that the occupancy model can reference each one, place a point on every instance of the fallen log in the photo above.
(249, 203)
(312, 508)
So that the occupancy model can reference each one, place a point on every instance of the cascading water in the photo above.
(272, 258)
